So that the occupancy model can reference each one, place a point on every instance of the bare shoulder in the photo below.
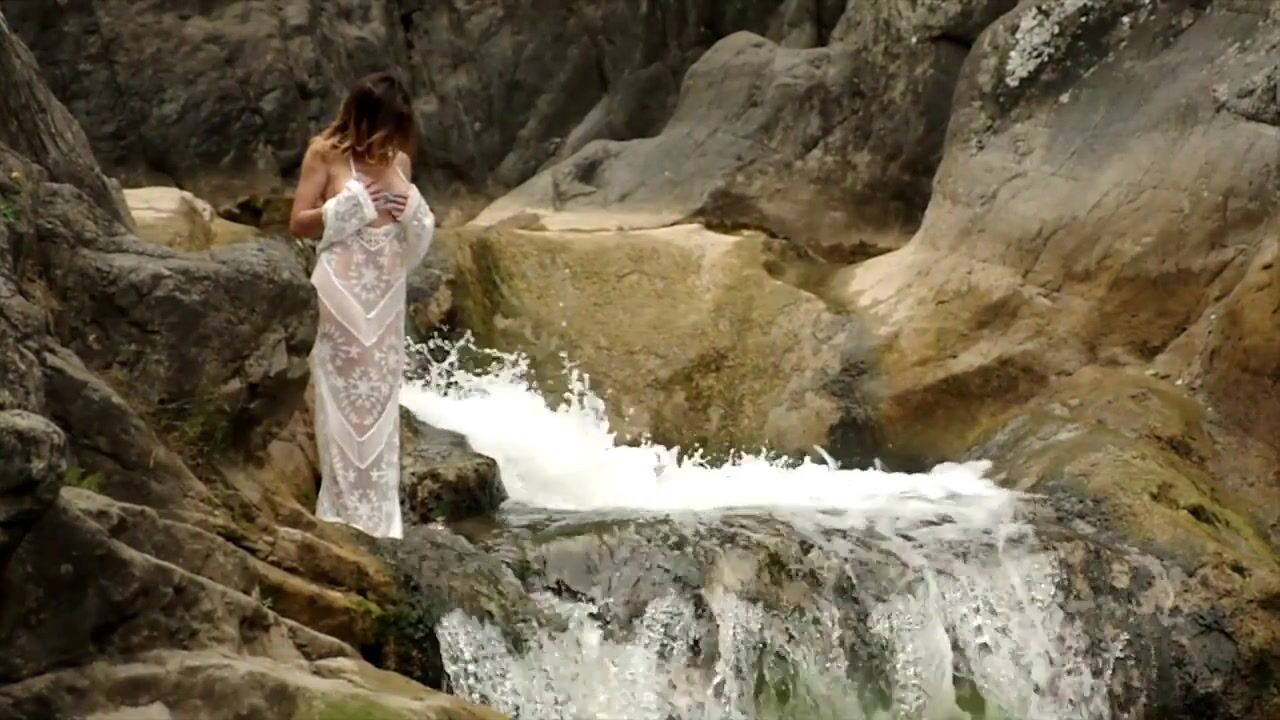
(404, 164)
(320, 152)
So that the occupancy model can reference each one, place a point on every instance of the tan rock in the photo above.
(175, 218)
(681, 328)
(208, 686)
(1150, 249)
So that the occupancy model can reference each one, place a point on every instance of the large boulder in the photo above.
(210, 340)
(441, 477)
(175, 218)
(682, 330)
(832, 146)
(1085, 216)
(213, 686)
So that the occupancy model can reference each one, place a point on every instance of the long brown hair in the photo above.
(374, 121)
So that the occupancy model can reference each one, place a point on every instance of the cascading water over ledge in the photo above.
(767, 589)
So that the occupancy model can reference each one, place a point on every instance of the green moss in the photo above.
(1139, 448)
(205, 426)
(348, 708)
(77, 477)
(201, 427)
(370, 611)
(405, 642)
(8, 212)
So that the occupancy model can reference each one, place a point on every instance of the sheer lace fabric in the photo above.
(358, 359)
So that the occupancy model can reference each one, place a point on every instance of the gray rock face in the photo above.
(832, 146)
(152, 362)
(830, 138)
(501, 85)
(113, 445)
(180, 325)
(35, 124)
(33, 462)
(441, 477)
(213, 686)
(440, 572)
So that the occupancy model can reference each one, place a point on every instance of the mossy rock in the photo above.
(1138, 447)
(348, 708)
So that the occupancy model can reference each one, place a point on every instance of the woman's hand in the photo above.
(391, 203)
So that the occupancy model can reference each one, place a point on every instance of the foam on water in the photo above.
(568, 458)
(976, 600)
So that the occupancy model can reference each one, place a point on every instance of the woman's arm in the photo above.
(307, 218)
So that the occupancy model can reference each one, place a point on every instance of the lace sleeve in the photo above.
(420, 227)
(345, 213)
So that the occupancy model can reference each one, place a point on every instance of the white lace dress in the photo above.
(358, 360)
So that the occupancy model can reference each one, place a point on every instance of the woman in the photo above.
(374, 227)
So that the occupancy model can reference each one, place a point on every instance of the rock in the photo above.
(195, 550)
(833, 147)
(439, 572)
(682, 330)
(1140, 449)
(60, 611)
(1094, 252)
(35, 124)
(186, 332)
(23, 322)
(829, 139)
(269, 213)
(115, 450)
(441, 477)
(561, 78)
(177, 219)
(213, 686)
(33, 464)
(749, 580)
(429, 296)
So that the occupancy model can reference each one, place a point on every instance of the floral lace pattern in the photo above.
(358, 359)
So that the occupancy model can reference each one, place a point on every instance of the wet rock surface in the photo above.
(441, 478)
(730, 358)
(1139, 622)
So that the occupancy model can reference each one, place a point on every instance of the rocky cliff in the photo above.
(1042, 232)
(157, 555)
(830, 135)
(1089, 299)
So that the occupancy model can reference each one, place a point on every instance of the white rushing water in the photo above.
(977, 605)
(568, 458)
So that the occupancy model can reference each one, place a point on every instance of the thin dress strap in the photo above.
(351, 161)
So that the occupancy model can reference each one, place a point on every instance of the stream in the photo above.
(762, 587)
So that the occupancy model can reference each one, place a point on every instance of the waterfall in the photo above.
(758, 588)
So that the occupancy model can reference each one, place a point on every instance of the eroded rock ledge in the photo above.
(158, 558)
